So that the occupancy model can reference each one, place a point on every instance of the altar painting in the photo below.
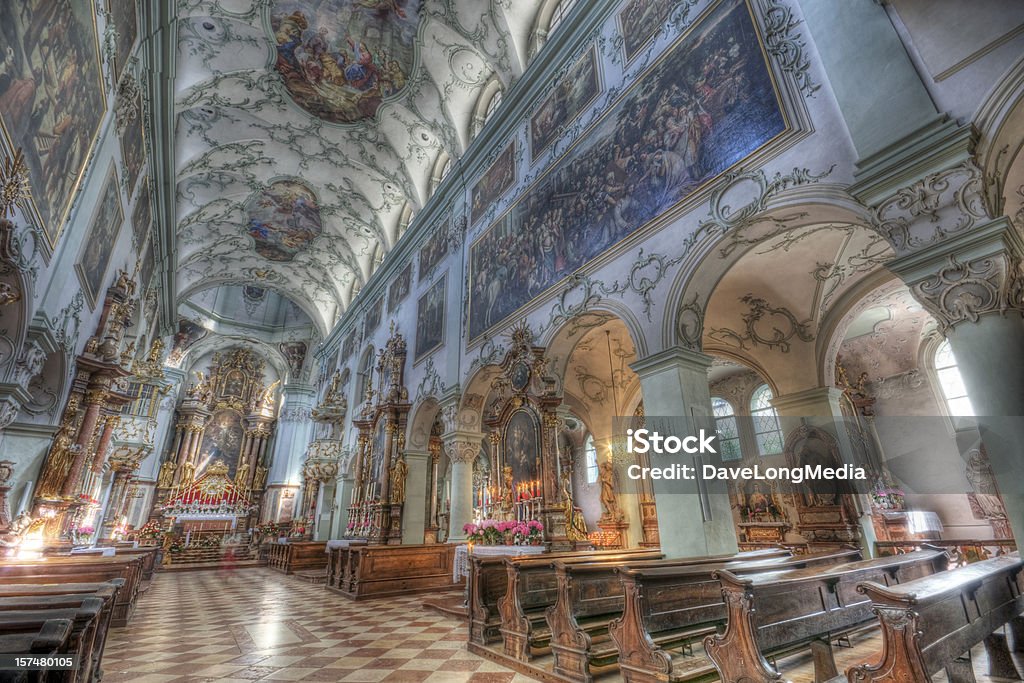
(340, 58)
(51, 97)
(707, 105)
(222, 440)
(521, 446)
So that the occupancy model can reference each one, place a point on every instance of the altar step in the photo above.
(212, 558)
(449, 603)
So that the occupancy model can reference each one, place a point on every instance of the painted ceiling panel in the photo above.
(339, 104)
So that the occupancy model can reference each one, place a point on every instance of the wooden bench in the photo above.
(50, 639)
(52, 596)
(488, 585)
(337, 559)
(295, 556)
(82, 569)
(778, 613)
(667, 608)
(927, 624)
(591, 597)
(84, 620)
(382, 570)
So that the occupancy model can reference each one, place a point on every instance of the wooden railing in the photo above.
(962, 552)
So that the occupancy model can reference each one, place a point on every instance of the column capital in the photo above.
(671, 358)
(462, 447)
(968, 276)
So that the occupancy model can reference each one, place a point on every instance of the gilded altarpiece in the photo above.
(528, 478)
(375, 511)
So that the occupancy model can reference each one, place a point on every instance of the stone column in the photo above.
(462, 449)
(110, 423)
(974, 287)
(95, 398)
(414, 510)
(693, 519)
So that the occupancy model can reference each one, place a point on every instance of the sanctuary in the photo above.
(567, 340)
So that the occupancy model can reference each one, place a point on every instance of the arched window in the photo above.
(442, 167)
(766, 421)
(590, 452)
(728, 432)
(378, 258)
(492, 105)
(364, 373)
(559, 14)
(951, 382)
(487, 103)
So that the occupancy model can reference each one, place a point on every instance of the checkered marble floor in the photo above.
(260, 625)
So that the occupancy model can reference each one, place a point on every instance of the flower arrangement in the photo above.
(149, 530)
(495, 532)
(885, 495)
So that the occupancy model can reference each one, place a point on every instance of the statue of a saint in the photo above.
(260, 478)
(398, 473)
(188, 473)
(575, 525)
(508, 488)
(165, 479)
(57, 465)
(609, 502)
(242, 472)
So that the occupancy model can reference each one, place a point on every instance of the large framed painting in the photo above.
(133, 150)
(706, 105)
(339, 59)
(433, 251)
(430, 318)
(521, 447)
(572, 94)
(399, 287)
(123, 14)
(499, 177)
(146, 267)
(222, 440)
(639, 20)
(348, 347)
(104, 227)
(373, 315)
(51, 98)
(142, 215)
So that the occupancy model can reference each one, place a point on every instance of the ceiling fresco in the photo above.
(359, 113)
(340, 58)
(284, 220)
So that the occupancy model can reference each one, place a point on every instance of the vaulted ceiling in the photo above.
(306, 128)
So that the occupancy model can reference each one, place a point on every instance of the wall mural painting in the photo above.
(222, 440)
(188, 334)
(284, 219)
(430, 318)
(122, 14)
(142, 215)
(498, 178)
(133, 149)
(348, 347)
(574, 92)
(51, 97)
(373, 314)
(340, 58)
(433, 251)
(521, 446)
(640, 20)
(708, 104)
(295, 354)
(399, 287)
(97, 248)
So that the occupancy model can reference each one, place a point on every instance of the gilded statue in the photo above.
(398, 474)
(260, 478)
(202, 390)
(508, 488)
(165, 479)
(575, 525)
(188, 473)
(268, 394)
(609, 501)
(333, 391)
(243, 470)
(58, 464)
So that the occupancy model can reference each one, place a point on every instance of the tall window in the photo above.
(766, 422)
(952, 383)
(725, 425)
(559, 14)
(492, 105)
(590, 452)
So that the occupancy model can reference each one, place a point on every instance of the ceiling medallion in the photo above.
(340, 58)
(284, 219)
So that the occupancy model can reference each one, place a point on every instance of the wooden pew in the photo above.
(592, 596)
(382, 570)
(50, 596)
(85, 622)
(82, 569)
(777, 613)
(668, 607)
(291, 557)
(337, 560)
(928, 623)
(488, 585)
(50, 639)
(533, 588)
